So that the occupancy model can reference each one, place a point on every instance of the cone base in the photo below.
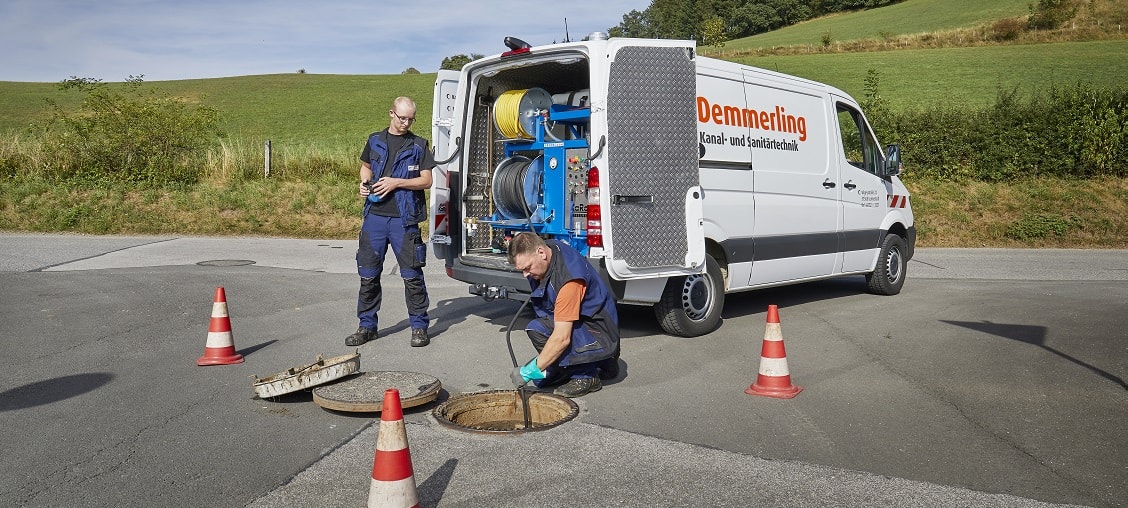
(778, 393)
(219, 359)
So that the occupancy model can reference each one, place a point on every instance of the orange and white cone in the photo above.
(774, 379)
(393, 479)
(220, 348)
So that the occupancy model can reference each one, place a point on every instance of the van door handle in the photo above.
(850, 185)
(828, 184)
(622, 199)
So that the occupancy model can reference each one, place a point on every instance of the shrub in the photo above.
(1007, 29)
(134, 135)
(1033, 226)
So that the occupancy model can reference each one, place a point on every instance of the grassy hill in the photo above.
(905, 18)
(298, 110)
(919, 78)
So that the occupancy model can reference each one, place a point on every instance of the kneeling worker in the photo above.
(576, 332)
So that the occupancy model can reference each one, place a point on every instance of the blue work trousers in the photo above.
(563, 369)
(376, 234)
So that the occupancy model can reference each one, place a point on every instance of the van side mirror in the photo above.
(892, 161)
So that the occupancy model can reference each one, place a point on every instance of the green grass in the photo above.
(291, 110)
(921, 78)
(905, 18)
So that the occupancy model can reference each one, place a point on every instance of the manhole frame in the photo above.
(438, 412)
(226, 263)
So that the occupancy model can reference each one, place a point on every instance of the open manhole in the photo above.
(502, 412)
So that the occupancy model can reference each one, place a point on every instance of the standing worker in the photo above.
(395, 168)
(576, 332)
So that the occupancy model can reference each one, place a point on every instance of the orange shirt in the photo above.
(568, 301)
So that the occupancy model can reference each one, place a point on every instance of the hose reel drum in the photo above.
(517, 187)
(516, 112)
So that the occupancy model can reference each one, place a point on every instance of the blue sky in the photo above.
(51, 40)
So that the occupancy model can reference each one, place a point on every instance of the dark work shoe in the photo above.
(361, 336)
(609, 370)
(578, 387)
(419, 337)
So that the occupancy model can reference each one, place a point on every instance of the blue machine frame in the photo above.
(554, 205)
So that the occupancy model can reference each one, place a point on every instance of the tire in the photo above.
(691, 305)
(892, 267)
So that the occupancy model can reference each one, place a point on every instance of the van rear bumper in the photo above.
(480, 278)
(488, 282)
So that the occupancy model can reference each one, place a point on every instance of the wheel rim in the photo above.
(696, 299)
(893, 265)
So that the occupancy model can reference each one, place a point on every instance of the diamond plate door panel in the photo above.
(652, 153)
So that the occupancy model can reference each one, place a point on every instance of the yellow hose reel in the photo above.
(516, 112)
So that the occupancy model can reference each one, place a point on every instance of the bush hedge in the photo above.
(1067, 132)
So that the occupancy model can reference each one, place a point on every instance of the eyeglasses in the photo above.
(404, 119)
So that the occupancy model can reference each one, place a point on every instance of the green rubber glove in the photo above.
(530, 371)
(522, 375)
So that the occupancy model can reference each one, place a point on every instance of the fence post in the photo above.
(266, 159)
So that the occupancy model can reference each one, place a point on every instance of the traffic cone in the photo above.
(393, 479)
(220, 348)
(774, 380)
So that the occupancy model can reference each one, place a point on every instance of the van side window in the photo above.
(858, 144)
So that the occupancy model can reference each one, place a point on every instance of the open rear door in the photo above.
(442, 121)
(654, 201)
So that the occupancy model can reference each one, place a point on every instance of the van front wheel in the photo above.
(691, 305)
(889, 274)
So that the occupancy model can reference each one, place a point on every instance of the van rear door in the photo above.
(652, 213)
(442, 122)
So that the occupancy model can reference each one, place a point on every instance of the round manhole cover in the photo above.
(502, 412)
(364, 392)
(226, 262)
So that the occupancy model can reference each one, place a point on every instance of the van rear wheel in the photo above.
(889, 274)
(691, 305)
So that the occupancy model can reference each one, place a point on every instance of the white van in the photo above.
(680, 177)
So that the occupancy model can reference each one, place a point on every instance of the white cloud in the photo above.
(50, 40)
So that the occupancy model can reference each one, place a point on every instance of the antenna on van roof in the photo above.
(566, 37)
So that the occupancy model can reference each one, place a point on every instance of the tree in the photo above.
(674, 19)
(1051, 14)
(753, 18)
(635, 24)
(410, 70)
(713, 32)
(456, 62)
(790, 11)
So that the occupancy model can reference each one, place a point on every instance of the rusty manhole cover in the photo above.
(364, 392)
(226, 262)
(502, 412)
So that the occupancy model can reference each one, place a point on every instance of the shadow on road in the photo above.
(1033, 335)
(52, 390)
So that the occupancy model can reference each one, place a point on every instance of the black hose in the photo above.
(512, 356)
(509, 330)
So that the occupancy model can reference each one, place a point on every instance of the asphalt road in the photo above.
(997, 377)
